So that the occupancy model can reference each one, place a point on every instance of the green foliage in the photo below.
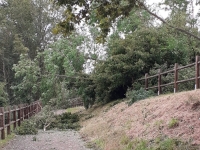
(173, 123)
(134, 48)
(62, 61)
(47, 119)
(44, 118)
(24, 29)
(101, 13)
(3, 95)
(136, 95)
(183, 74)
(168, 144)
(27, 127)
(132, 57)
(66, 121)
(104, 13)
(160, 143)
(27, 89)
(100, 143)
(86, 89)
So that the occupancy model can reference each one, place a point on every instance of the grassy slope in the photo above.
(153, 122)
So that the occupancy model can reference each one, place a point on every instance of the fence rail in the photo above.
(15, 115)
(176, 81)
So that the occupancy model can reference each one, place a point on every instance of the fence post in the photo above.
(19, 115)
(159, 82)
(146, 81)
(175, 77)
(2, 122)
(25, 111)
(197, 73)
(28, 111)
(15, 117)
(22, 112)
(8, 127)
(31, 109)
(38, 105)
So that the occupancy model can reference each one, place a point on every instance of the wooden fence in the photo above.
(176, 81)
(15, 115)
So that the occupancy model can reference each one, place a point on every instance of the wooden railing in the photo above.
(15, 115)
(176, 81)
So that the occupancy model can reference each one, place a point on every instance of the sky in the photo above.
(154, 4)
(163, 13)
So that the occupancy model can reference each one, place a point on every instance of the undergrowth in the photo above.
(136, 95)
(27, 127)
(65, 121)
(160, 143)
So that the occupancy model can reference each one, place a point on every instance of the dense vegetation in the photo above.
(122, 41)
(64, 121)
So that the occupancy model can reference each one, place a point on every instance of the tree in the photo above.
(25, 28)
(104, 13)
(27, 75)
(62, 64)
(131, 56)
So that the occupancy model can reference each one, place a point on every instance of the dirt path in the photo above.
(49, 140)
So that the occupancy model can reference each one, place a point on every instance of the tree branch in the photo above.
(163, 21)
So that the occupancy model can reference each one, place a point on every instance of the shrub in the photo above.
(136, 95)
(27, 127)
(66, 121)
(47, 119)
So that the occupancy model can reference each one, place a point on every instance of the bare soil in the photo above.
(49, 140)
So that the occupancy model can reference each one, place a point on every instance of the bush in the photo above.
(66, 121)
(27, 127)
(46, 119)
(136, 95)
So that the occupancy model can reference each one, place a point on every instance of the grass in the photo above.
(100, 143)
(7, 137)
(159, 124)
(103, 124)
(137, 144)
(125, 140)
(6, 140)
(160, 143)
(173, 123)
(75, 109)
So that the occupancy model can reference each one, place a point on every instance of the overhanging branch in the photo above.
(142, 5)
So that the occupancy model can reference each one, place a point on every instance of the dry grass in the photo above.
(111, 126)
(78, 109)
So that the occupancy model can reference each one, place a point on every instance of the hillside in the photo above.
(171, 116)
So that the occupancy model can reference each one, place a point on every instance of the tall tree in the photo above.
(25, 27)
(62, 63)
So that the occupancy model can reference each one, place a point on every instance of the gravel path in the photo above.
(49, 140)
